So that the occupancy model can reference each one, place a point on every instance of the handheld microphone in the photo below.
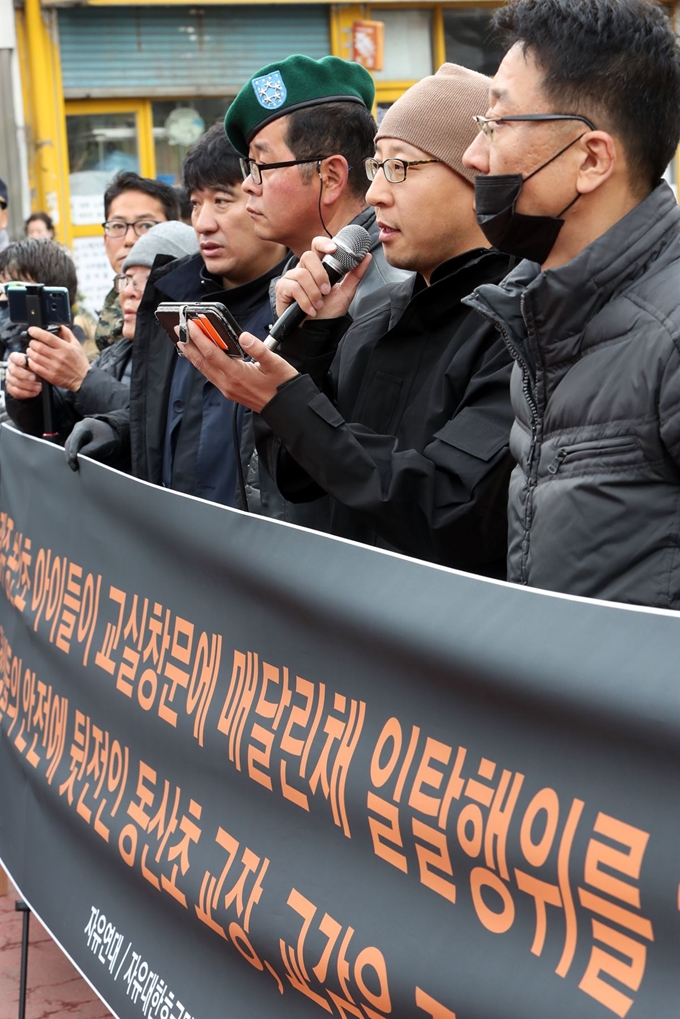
(353, 244)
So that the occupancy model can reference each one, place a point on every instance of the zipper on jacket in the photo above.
(533, 410)
(611, 447)
(560, 457)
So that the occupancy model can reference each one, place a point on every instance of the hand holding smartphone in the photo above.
(47, 308)
(213, 319)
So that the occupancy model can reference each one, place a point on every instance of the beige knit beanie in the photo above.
(436, 114)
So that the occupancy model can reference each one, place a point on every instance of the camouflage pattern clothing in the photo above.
(110, 325)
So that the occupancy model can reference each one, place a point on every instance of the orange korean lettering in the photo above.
(258, 757)
(498, 922)
(145, 794)
(433, 1007)
(545, 802)
(544, 894)
(390, 738)
(386, 836)
(371, 959)
(434, 862)
(430, 777)
(626, 861)
(628, 973)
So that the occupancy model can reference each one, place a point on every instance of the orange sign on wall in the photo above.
(368, 38)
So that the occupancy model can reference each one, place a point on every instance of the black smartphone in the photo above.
(213, 319)
(33, 304)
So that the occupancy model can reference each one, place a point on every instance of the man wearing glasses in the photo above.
(303, 128)
(402, 416)
(584, 118)
(179, 430)
(132, 206)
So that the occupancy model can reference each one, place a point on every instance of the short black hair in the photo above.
(184, 202)
(41, 261)
(212, 162)
(345, 129)
(615, 61)
(126, 180)
(43, 217)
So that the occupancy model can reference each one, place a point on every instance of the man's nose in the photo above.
(476, 156)
(203, 220)
(250, 187)
(379, 192)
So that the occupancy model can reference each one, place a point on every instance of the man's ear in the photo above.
(600, 157)
(334, 172)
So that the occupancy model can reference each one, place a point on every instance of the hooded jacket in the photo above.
(594, 505)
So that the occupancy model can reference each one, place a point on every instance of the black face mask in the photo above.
(514, 233)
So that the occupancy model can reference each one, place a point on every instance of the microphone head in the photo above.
(353, 244)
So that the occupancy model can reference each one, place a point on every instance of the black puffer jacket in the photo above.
(594, 504)
(106, 387)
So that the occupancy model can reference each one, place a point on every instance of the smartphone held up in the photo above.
(213, 319)
(33, 304)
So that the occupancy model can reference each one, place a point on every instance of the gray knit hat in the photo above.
(436, 115)
(173, 238)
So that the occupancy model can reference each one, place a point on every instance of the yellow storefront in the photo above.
(119, 85)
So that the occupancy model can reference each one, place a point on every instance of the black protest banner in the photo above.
(247, 770)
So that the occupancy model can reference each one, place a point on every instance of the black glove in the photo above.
(93, 438)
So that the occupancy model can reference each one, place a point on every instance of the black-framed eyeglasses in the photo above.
(122, 281)
(487, 125)
(251, 168)
(394, 169)
(119, 228)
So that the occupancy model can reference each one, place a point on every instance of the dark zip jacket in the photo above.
(202, 433)
(405, 423)
(594, 505)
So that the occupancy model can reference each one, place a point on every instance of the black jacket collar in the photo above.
(187, 279)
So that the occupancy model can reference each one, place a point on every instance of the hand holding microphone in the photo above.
(310, 287)
(299, 293)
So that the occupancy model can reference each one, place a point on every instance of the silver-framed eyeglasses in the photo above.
(394, 169)
(251, 168)
(487, 125)
(122, 281)
(119, 228)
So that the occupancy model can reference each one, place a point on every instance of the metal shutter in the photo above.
(146, 51)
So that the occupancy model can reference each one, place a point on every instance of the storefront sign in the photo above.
(368, 42)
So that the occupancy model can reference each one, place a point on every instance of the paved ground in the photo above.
(55, 989)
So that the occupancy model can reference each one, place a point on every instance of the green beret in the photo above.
(292, 84)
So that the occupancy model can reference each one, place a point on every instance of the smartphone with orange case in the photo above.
(213, 319)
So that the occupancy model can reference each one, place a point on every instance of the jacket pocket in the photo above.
(474, 433)
(598, 450)
(324, 409)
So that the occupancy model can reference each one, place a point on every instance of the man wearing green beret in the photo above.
(304, 128)
(402, 415)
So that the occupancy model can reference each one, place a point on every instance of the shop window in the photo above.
(99, 146)
(408, 44)
(468, 39)
(177, 124)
